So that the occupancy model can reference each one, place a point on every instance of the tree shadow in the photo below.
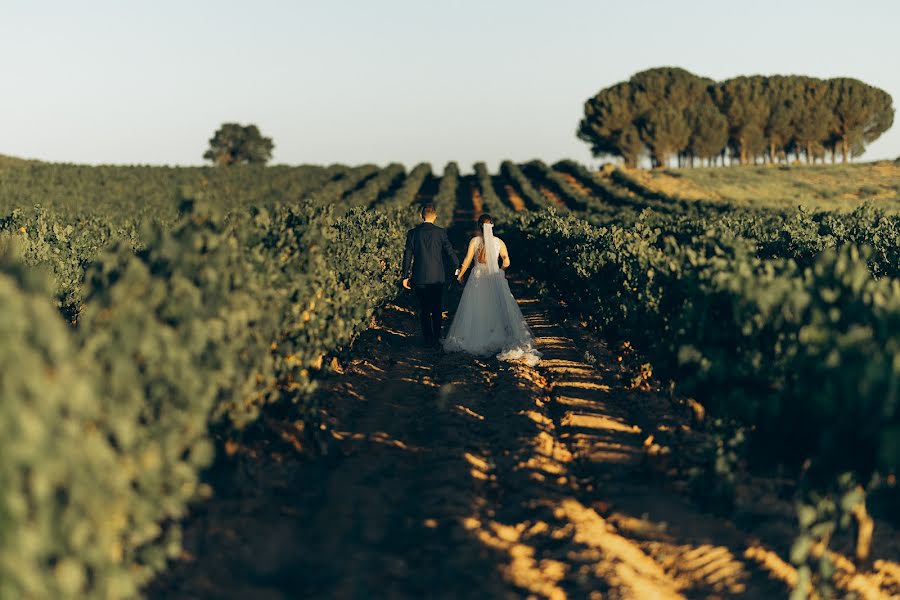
(359, 185)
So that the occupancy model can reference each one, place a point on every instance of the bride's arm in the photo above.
(470, 254)
(504, 255)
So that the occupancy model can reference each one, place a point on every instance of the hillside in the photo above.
(13, 161)
(828, 187)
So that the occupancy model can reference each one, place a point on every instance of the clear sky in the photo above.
(126, 81)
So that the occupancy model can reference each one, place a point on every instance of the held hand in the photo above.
(406, 284)
(459, 278)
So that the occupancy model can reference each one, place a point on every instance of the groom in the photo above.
(423, 269)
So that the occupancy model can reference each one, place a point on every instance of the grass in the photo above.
(832, 187)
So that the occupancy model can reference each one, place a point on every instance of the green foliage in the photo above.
(812, 118)
(861, 113)
(378, 186)
(820, 516)
(610, 124)
(492, 202)
(333, 192)
(666, 131)
(623, 200)
(124, 196)
(445, 199)
(805, 356)
(235, 144)
(194, 329)
(708, 131)
(534, 198)
(64, 247)
(743, 102)
(572, 196)
(669, 111)
(65, 487)
(169, 331)
(328, 277)
(408, 191)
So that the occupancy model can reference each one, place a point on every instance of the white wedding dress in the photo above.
(488, 320)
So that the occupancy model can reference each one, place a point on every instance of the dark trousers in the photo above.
(430, 310)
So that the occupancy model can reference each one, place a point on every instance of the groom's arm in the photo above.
(449, 251)
(406, 271)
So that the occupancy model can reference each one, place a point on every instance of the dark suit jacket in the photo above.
(426, 245)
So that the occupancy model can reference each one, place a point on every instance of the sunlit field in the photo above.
(827, 187)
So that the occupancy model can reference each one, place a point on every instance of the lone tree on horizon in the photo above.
(238, 144)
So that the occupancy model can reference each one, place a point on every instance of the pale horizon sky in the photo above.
(107, 81)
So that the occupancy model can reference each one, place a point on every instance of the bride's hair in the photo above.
(484, 218)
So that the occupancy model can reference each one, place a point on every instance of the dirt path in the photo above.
(552, 196)
(515, 200)
(448, 476)
(580, 187)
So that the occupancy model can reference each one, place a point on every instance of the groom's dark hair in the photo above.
(428, 210)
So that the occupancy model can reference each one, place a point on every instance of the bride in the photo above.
(488, 320)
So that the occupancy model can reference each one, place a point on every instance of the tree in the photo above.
(235, 144)
(668, 110)
(812, 118)
(666, 132)
(672, 86)
(709, 131)
(647, 112)
(861, 113)
(609, 124)
(778, 129)
(664, 98)
(742, 101)
(883, 117)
